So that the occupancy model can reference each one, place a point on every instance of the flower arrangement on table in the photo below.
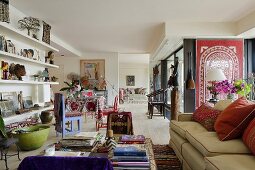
(240, 87)
(73, 89)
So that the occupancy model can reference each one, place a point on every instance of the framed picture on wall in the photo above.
(92, 72)
(130, 80)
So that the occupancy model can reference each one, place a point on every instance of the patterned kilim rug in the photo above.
(165, 158)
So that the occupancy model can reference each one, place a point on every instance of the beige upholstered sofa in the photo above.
(199, 149)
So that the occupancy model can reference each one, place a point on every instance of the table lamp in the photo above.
(215, 75)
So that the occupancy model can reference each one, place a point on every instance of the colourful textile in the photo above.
(60, 163)
(206, 116)
(249, 136)
(223, 54)
(232, 122)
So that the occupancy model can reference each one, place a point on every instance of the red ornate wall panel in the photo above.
(223, 54)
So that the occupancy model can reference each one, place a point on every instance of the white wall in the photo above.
(140, 71)
(70, 64)
(136, 65)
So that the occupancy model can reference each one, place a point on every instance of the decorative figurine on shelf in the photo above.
(101, 84)
(45, 74)
(30, 53)
(85, 82)
(11, 71)
(4, 68)
(19, 71)
(29, 23)
(50, 57)
(20, 99)
(54, 79)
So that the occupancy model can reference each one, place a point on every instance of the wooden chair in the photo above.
(103, 113)
(66, 119)
(156, 99)
(120, 122)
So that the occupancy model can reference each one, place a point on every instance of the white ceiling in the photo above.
(134, 58)
(125, 26)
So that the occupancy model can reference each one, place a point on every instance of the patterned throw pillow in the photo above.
(206, 116)
(232, 122)
(249, 136)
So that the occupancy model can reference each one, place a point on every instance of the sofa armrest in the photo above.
(184, 117)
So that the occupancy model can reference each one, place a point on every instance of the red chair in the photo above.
(103, 113)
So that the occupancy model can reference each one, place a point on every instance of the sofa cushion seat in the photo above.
(181, 127)
(208, 144)
(233, 162)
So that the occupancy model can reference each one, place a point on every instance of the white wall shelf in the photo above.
(26, 82)
(23, 116)
(17, 57)
(9, 30)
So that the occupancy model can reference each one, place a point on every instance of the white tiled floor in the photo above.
(157, 129)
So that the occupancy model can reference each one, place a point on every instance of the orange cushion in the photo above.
(249, 136)
(232, 121)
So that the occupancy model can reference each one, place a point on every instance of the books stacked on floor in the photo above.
(130, 157)
(132, 139)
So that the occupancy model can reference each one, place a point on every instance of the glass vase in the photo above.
(231, 96)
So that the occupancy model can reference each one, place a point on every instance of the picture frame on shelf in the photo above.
(28, 102)
(10, 47)
(7, 109)
(2, 43)
(11, 96)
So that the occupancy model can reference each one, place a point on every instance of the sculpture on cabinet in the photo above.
(50, 57)
(19, 71)
(30, 53)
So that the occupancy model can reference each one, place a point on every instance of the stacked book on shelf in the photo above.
(130, 157)
(132, 139)
(86, 140)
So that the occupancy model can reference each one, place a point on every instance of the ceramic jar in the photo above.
(46, 116)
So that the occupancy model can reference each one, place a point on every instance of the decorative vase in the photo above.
(231, 96)
(110, 142)
(46, 116)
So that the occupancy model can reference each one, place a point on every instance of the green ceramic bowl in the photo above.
(32, 137)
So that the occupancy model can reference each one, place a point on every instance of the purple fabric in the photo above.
(64, 163)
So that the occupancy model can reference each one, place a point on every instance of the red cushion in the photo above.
(206, 116)
(232, 122)
(249, 136)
